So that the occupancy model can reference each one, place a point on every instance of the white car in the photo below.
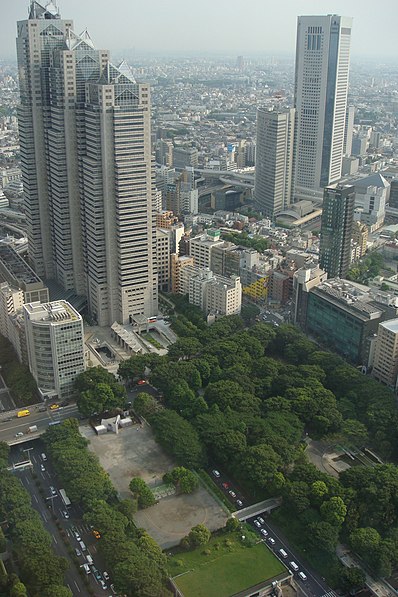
(258, 525)
(271, 540)
(239, 503)
(216, 473)
(261, 520)
(105, 575)
(53, 490)
(103, 584)
(42, 468)
(65, 514)
(302, 576)
(232, 493)
(264, 532)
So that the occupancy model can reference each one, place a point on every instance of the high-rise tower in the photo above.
(336, 230)
(87, 168)
(274, 160)
(321, 86)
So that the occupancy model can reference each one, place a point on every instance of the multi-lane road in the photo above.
(11, 425)
(47, 503)
(314, 585)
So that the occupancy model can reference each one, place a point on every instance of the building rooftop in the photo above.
(55, 312)
(17, 267)
(391, 325)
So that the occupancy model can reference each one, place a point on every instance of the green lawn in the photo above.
(226, 570)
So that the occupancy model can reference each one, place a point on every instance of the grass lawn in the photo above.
(228, 568)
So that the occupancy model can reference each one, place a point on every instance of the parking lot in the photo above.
(135, 453)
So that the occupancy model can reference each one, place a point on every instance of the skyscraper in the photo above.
(336, 230)
(274, 160)
(321, 86)
(87, 168)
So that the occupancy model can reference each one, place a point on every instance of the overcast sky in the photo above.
(224, 26)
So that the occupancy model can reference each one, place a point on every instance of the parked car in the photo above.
(105, 575)
(257, 524)
(232, 493)
(271, 540)
(261, 520)
(226, 485)
(239, 503)
(264, 532)
(53, 490)
(65, 514)
(78, 552)
(216, 474)
(42, 468)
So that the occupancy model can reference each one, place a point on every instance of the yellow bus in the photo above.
(23, 413)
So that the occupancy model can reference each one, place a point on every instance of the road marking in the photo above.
(35, 498)
(27, 480)
(44, 516)
(77, 586)
(55, 540)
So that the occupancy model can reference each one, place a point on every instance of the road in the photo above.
(10, 425)
(48, 504)
(314, 586)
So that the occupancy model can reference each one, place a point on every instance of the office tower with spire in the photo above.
(87, 169)
(321, 86)
(274, 160)
(336, 230)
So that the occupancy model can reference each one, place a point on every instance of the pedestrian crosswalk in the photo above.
(330, 594)
(79, 528)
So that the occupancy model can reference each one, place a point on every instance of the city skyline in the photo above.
(174, 34)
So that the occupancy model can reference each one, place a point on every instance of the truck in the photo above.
(23, 413)
(32, 429)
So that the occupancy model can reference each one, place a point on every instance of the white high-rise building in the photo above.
(54, 338)
(321, 86)
(274, 160)
(87, 169)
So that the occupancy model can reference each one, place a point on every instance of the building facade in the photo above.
(274, 160)
(385, 358)
(336, 230)
(321, 86)
(87, 169)
(54, 338)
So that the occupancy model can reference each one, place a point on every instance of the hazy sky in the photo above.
(227, 26)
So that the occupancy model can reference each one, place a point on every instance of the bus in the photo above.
(64, 498)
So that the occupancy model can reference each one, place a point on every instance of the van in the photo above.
(282, 553)
(43, 457)
(82, 546)
(90, 560)
(294, 566)
(23, 413)
(302, 576)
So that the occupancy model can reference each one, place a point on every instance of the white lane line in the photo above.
(44, 516)
(55, 540)
(77, 586)
(35, 498)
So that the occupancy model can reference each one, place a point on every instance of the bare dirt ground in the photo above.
(135, 453)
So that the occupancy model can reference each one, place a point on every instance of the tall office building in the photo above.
(274, 160)
(321, 86)
(87, 169)
(55, 343)
(336, 230)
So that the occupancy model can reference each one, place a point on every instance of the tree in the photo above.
(99, 399)
(199, 535)
(295, 494)
(185, 348)
(4, 453)
(260, 465)
(249, 312)
(334, 511)
(365, 542)
(128, 508)
(179, 438)
(184, 480)
(232, 524)
(57, 591)
(18, 589)
(352, 578)
(142, 493)
(324, 536)
(133, 367)
(319, 490)
(146, 405)
(355, 432)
